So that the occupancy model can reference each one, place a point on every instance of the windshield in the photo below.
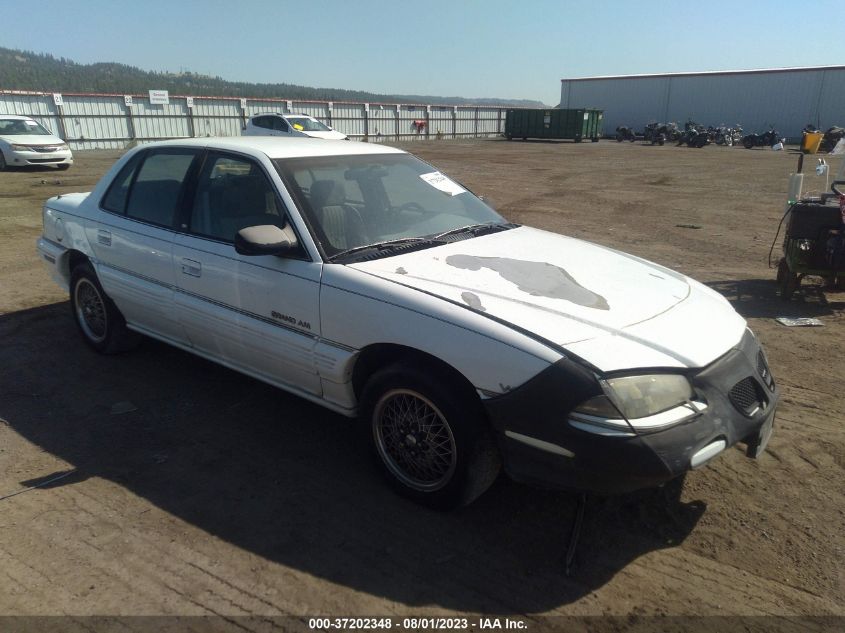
(307, 124)
(354, 201)
(22, 127)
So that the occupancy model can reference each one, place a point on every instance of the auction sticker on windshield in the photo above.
(441, 182)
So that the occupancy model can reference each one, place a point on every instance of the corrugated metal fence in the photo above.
(111, 121)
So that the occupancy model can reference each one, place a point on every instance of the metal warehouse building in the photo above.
(786, 98)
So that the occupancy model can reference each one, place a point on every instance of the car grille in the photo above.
(747, 396)
(44, 148)
(44, 160)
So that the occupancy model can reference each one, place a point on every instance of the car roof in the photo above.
(282, 147)
(16, 117)
(284, 115)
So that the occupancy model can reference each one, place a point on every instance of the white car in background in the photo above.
(361, 278)
(277, 124)
(24, 141)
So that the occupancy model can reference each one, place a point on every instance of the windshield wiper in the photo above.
(385, 245)
(476, 229)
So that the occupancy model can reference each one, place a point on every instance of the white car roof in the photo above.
(282, 147)
(15, 117)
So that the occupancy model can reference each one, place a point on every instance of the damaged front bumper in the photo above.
(542, 445)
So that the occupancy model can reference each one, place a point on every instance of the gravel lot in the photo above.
(216, 494)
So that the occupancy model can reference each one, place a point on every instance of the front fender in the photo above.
(358, 309)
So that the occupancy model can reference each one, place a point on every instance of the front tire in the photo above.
(63, 167)
(99, 321)
(430, 439)
(2, 161)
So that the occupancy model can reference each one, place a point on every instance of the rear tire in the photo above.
(430, 440)
(2, 161)
(99, 321)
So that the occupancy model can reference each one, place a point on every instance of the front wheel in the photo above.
(2, 161)
(747, 143)
(430, 440)
(63, 167)
(99, 321)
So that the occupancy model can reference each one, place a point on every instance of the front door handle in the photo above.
(104, 237)
(191, 267)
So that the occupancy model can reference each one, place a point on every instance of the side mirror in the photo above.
(265, 239)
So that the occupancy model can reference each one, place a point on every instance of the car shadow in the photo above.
(287, 480)
(759, 298)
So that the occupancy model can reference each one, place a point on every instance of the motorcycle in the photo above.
(694, 135)
(624, 133)
(660, 132)
(769, 139)
(722, 135)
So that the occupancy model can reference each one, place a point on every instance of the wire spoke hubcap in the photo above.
(414, 440)
(90, 310)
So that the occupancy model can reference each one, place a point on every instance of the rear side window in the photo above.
(263, 122)
(155, 192)
(115, 198)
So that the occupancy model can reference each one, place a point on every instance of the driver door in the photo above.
(258, 314)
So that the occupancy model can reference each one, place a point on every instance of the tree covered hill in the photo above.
(23, 70)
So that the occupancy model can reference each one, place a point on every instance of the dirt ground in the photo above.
(214, 494)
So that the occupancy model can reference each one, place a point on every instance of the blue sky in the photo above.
(470, 48)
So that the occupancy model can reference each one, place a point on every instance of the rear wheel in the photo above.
(99, 321)
(2, 161)
(430, 440)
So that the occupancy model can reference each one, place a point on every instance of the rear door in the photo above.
(259, 314)
(133, 239)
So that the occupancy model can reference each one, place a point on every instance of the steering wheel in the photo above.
(412, 206)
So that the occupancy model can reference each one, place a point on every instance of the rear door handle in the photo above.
(104, 237)
(191, 267)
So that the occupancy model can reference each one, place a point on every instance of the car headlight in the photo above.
(19, 148)
(62, 147)
(632, 403)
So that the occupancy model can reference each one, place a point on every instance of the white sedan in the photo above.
(361, 278)
(24, 141)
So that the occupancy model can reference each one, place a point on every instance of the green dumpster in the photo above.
(554, 123)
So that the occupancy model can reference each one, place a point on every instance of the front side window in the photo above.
(280, 125)
(233, 193)
(155, 192)
(354, 201)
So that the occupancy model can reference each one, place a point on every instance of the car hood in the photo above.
(615, 310)
(32, 139)
(331, 135)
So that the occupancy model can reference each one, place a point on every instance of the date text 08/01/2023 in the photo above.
(422, 623)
